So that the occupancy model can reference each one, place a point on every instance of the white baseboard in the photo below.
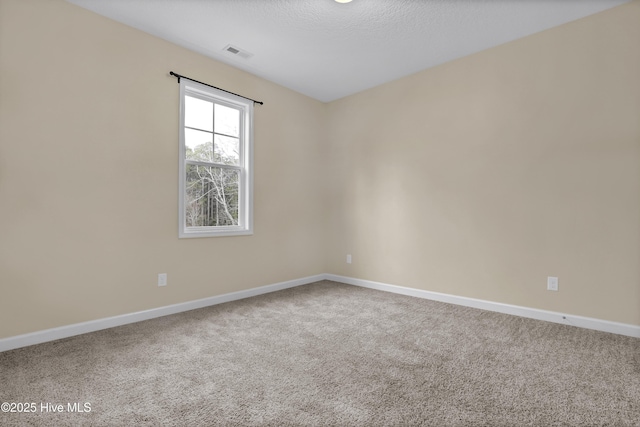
(531, 313)
(110, 322)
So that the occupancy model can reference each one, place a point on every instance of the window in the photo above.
(215, 162)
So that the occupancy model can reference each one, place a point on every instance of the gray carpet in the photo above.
(330, 354)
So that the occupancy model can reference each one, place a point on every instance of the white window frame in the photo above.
(245, 187)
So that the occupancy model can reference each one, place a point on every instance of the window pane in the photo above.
(198, 145)
(227, 150)
(227, 120)
(211, 197)
(198, 113)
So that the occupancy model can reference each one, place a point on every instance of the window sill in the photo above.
(222, 232)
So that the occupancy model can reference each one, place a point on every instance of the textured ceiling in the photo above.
(328, 50)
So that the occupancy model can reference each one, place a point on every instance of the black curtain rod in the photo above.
(215, 87)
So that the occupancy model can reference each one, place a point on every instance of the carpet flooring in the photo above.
(328, 354)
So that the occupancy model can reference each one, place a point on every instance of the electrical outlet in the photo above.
(348, 258)
(552, 283)
(162, 279)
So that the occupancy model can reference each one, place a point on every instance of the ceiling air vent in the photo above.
(236, 51)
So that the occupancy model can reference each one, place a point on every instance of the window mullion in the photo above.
(198, 129)
(224, 134)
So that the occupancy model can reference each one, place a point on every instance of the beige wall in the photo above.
(485, 175)
(89, 174)
(477, 178)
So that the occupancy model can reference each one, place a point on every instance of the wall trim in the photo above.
(67, 331)
(531, 313)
